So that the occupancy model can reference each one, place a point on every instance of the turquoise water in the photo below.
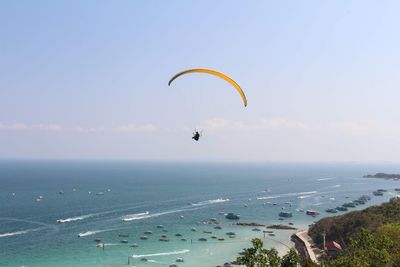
(178, 196)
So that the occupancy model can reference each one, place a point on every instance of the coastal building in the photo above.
(333, 248)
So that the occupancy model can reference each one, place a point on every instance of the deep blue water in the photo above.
(30, 235)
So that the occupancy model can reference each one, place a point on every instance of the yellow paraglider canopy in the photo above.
(215, 73)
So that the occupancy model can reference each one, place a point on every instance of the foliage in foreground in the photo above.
(378, 249)
(258, 256)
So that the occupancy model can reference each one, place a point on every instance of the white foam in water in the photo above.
(158, 262)
(324, 179)
(146, 215)
(211, 201)
(78, 218)
(183, 251)
(289, 194)
(137, 216)
(89, 233)
(270, 197)
(19, 232)
(304, 196)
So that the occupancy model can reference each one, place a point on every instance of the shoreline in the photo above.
(305, 246)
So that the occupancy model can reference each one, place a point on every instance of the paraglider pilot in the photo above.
(196, 136)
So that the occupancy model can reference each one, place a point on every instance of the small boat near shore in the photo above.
(123, 235)
(285, 214)
(331, 210)
(312, 212)
(232, 216)
(349, 205)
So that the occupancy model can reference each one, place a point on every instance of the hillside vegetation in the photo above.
(342, 228)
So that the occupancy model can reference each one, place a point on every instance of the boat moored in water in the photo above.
(232, 216)
(312, 212)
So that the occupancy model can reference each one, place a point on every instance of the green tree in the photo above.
(257, 256)
(365, 249)
(273, 257)
(291, 259)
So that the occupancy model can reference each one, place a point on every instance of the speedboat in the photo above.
(99, 193)
(179, 260)
(202, 239)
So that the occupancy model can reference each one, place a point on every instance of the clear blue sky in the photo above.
(88, 79)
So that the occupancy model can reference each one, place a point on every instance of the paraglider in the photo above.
(215, 73)
(196, 134)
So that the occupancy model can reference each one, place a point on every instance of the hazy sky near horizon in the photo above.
(88, 80)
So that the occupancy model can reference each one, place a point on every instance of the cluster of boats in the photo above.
(360, 201)
(379, 192)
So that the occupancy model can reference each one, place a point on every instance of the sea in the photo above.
(121, 213)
